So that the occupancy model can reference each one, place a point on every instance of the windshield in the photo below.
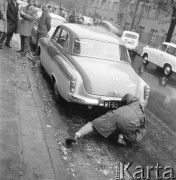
(171, 50)
(100, 49)
(132, 36)
(56, 22)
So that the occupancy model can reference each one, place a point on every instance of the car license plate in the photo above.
(111, 104)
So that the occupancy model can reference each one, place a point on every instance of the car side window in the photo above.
(56, 34)
(63, 39)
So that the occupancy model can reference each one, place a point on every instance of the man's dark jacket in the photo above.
(12, 17)
(44, 24)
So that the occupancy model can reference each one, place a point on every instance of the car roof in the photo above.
(169, 44)
(53, 16)
(131, 32)
(93, 32)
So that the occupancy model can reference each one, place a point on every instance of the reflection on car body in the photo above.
(90, 66)
(164, 57)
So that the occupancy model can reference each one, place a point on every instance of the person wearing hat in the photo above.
(125, 124)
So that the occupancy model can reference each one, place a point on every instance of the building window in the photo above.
(153, 35)
(146, 11)
(157, 13)
(97, 4)
(115, 7)
(103, 5)
(140, 31)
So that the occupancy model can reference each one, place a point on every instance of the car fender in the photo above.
(63, 72)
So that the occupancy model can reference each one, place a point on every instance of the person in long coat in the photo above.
(12, 20)
(44, 24)
(3, 21)
(125, 124)
(28, 15)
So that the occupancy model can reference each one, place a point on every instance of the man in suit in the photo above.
(12, 20)
(3, 21)
(28, 15)
(44, 24)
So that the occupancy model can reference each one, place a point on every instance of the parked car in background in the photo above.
(114, 28)
(87, 20)
(131, 40)
(164, 57)
(90, 66)
(56, 20)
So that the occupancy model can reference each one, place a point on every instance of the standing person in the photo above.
(12, 20)
(125, 124)
(28, 15)
(3, 21)
(44, 24)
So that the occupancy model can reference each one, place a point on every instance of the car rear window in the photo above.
(100, 49)
(131, 36)
(171, 50)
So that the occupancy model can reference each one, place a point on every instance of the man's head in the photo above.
(44, 8)
(31, 2)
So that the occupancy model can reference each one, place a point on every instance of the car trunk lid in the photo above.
(107, 78)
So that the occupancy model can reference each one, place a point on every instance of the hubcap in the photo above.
(167, 70)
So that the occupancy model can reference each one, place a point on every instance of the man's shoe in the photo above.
(8, 45)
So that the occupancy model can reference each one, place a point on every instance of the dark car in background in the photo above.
(114, 28)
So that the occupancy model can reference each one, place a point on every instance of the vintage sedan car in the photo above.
(164, 57)
(90, 66)
(56, 20)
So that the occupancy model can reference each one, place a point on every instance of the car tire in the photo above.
(167, 70)
(56, 92)
(145, 59)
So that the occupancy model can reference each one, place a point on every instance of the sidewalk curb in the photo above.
(58, 163)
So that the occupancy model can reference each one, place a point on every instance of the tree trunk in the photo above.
(134, 16)
(172, 25)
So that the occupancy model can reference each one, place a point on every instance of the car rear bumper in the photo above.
(91, 101)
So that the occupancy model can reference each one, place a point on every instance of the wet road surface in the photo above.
(95, 155)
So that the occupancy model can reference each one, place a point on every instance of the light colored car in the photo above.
(131, 40)
(90, 66)
(114, 28)
(56, 20)
(164, 57)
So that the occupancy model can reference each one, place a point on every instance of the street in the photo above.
(94, 154)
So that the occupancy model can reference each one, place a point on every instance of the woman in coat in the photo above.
(28, 15)
(3, 21)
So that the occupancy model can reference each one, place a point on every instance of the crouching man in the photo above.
(126, 124)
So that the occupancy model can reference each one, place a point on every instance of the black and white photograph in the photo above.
(87, 90)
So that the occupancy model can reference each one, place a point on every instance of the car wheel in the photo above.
(167, 70)
(145, 59)
(56, 90)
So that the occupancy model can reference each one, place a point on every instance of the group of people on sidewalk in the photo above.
(21, 20)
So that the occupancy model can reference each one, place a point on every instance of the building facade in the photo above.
(150, 21)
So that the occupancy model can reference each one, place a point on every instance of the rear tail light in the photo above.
(146, 92)
(73, 84)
